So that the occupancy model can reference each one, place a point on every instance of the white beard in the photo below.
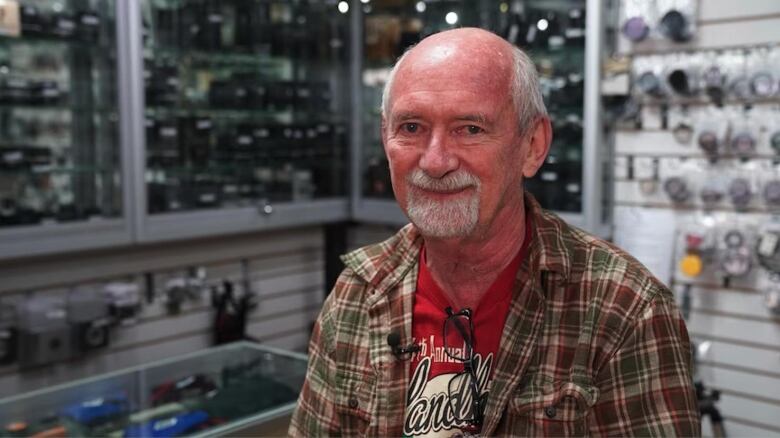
(457, 217)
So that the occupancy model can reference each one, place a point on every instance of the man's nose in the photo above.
(437, 160)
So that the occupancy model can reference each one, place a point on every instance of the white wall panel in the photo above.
(741, 382)
(710, 10)
(729, 327)
(736, 355)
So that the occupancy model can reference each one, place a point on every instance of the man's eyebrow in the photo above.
(476, 118)
(406, 115)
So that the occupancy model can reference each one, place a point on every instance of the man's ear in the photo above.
(539, 138)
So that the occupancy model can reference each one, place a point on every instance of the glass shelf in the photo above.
(59, 153)
(244, 100)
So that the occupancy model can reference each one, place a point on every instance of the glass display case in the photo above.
(59, 144)
(553, 33)
(241, 389)
(246, 102)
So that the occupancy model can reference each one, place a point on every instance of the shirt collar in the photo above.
(384, 264)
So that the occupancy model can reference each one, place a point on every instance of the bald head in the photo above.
(479, 57)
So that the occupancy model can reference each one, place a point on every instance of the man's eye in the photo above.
(410, 127)
(471, 129)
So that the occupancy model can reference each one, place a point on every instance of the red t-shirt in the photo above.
(428, 411)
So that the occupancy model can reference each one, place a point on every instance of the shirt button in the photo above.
(353, 403)
(550, 412)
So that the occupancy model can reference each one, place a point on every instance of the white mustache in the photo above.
(454, 181)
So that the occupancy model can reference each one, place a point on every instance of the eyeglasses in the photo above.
(465, 398)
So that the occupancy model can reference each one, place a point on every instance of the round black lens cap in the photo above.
(741, 87)
(739, 192)
(648, 83)
(743, 143)
(708, 142)
(674, 26)
(636, 29)
(679, 81)
(677, 189)
(683, 133)
(762, 84)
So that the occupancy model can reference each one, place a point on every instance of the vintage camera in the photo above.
(230, 93)
(15, 90)
(202, 192)
(88, 316)
(162, 84)
(45, 93)
(124, 301)
(24, 157)
(11, 213)
(165, 20)
(88, 26)
(163, 141)
(575, 29)
(165, 196)
(44, 334)
(62, 26)
(252, 20)
(32, 22)
(196, 139)
(281, 95)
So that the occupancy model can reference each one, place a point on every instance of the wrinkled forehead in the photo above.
(479, 67)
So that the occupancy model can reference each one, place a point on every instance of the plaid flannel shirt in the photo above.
(593, 345)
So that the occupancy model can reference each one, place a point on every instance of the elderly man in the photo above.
(488, 315)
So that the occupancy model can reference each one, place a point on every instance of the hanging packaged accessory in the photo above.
(736, 260)
(772, 193)
(676, 188)
(740, 192)
(708, 142)
(743, 144)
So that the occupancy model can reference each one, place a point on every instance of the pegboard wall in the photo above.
(166, 295)
(696, 189)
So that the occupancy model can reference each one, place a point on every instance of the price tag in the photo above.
(768, 244)
(10, 22)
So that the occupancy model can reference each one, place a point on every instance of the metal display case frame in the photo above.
(591, 218)
(207, 222)
(47, 238)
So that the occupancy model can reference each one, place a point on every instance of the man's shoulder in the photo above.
(372, 263)
(600, 266)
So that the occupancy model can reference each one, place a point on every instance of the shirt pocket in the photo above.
(355, 401)
(551, 408)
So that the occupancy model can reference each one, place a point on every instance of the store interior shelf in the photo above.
(263, 216)
(56, 237)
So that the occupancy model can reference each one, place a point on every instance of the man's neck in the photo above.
(466, 267)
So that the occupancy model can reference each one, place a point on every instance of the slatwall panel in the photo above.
(738, 336)
(286, 273)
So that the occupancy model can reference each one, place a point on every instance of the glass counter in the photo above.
(240, 388)
(59, 146)
(246, 102)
